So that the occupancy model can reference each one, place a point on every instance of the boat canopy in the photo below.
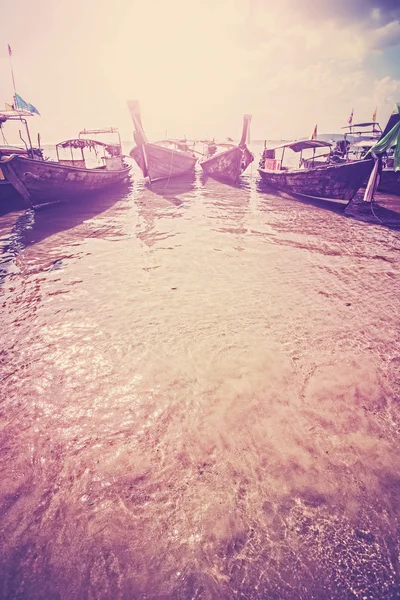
(98, 131)
(13, 115)
(12, 150)
(91, 144)
(20, 117)
(80, 143)
(373, 124)
(110, 151)
(301, 145)
(364, 144)
(108, 130)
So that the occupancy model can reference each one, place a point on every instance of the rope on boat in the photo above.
(372, 186)
(373, 212)
(4, 137)
(170, 167)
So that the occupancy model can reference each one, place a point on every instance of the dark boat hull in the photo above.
(48, 181)
(228, 165)
(390, 182)
(157, 162)
(336, 182)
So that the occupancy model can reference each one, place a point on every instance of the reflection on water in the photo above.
(199, 399)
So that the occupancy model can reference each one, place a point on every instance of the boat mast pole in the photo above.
(15, 96)
(27, 131)
(12, 76)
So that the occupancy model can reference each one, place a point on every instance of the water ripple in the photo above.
(199, 398)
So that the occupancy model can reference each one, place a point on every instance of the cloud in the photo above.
(360, 14)
(386, 36)
(386, 91)
(197, 67)
(312, 72)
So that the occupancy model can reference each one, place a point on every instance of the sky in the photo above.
(197, 66)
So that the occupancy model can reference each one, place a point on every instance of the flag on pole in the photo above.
(9, 50)
(9, 106)
(20, 104)
(314, 134)
(350, 119)
(374, 114)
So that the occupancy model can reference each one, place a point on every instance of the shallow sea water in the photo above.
(199, 398)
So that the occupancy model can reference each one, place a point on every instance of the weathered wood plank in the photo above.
(163, 163)
(52, 181)
(229, 164)
(339, 182)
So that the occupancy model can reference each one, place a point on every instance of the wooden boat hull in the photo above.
(48, 181)
(228, 165)
(336, 182)
(157, 162)
(390, 182)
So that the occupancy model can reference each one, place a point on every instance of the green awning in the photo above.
(392, 138)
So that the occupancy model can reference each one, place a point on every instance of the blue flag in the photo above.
(22, 105)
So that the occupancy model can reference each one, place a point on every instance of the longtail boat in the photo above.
(228, 161)
(9, 197)
(43, 181)
(10, 191)
(386, 153)
(389, 177)
(314, 178)
(159, 160)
